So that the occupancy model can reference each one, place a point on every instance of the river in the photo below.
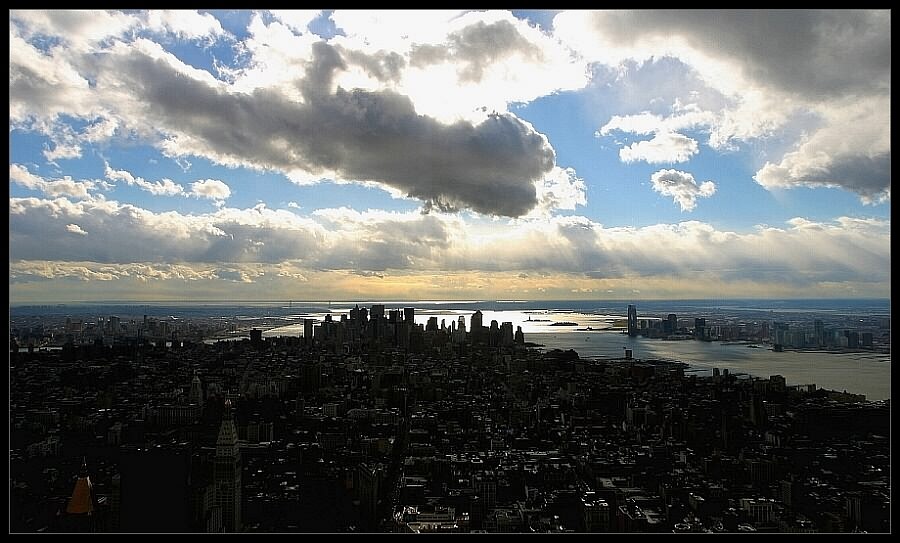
(866, 373)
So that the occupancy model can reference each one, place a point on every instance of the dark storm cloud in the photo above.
(837, 63)
(361, 135)
(384, 66)
(477, 46)
(817, 53)
(868, 176)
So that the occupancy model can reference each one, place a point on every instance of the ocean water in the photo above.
(861, 373)
(866, 373)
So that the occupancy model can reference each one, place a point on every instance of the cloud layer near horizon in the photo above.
(341, 238)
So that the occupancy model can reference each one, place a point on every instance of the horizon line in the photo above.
(461, 301)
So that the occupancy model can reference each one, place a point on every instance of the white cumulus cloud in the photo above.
(682, 187)
(163, 187)
(250, 244)
(828, 70)
(665, 147)
(212, 189)
(75, 229)
(186, 24)
(55, 187)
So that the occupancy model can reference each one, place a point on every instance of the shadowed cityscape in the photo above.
(449, 271)
(368, 421)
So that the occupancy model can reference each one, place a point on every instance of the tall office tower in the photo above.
(819, 328)
(196, 391)
(520, 337)
(432, 325)
(369, 480)
(632, 320)
(307, 331)
(671, 323)
(228, 472)
(485, 486)
(700, 328)
(458, 332)
(494, 334)
(80, 509)
(780, 331)
(409, 315)
(506, 334)
(477, 323)
(867, 339)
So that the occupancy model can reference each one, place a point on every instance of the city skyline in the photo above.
(373, 421)
(238, 155)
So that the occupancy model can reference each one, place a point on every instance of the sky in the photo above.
(442, 155)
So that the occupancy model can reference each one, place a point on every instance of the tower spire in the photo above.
(228, 472)
(82, 499)
(226, 444)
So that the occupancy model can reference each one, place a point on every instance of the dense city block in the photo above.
(372, 423)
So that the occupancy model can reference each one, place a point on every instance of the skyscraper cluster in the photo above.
(376, 328)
